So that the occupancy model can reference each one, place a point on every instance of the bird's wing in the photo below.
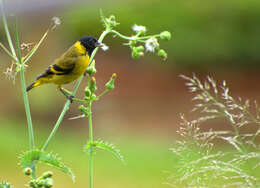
(67, 61)
(56, 69)
(62, 66)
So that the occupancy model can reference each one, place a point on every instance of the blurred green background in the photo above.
(219, 38)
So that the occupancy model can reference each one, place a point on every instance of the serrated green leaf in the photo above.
(5, 185)
(106, 146)
(30, 157)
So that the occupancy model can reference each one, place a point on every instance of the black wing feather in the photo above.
(61, 71)
(54, 69)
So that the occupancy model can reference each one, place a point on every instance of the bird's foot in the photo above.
(67, 94)
(70, 98)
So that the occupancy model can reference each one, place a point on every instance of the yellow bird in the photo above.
(70, 66)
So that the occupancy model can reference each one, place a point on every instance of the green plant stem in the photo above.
(91, 156)
(9, 39)
(27, 109)
(25, 96)
(7, 52)
(102, 94)
(131, 38)
(28, 116)
(35, 48)
(23, 85)
(22, 76)
(67, 104)
(121, 35)
(80, 100)
(55, 128)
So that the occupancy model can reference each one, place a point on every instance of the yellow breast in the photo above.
(81, 65)
(81, 49)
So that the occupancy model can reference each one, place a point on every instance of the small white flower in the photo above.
(104, 47)
(139, 28)
(151, 44)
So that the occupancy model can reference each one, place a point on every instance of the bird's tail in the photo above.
(33, 85)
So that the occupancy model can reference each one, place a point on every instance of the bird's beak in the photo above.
(99, 44)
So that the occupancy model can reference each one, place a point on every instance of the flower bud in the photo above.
(47, 174)
(27, 171)
(162, 53)
(132, 43)
(112, 18)
(83, 109)
(111, 83)
(48, 183)
(5, 184)
(92, 68)
(93, 85)
(93, 97)
(139, 48)
(165, 35)
(112, 21)
(137, 55)
(87, 92)
(40, 182)
(137, 52)
(33, 184)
